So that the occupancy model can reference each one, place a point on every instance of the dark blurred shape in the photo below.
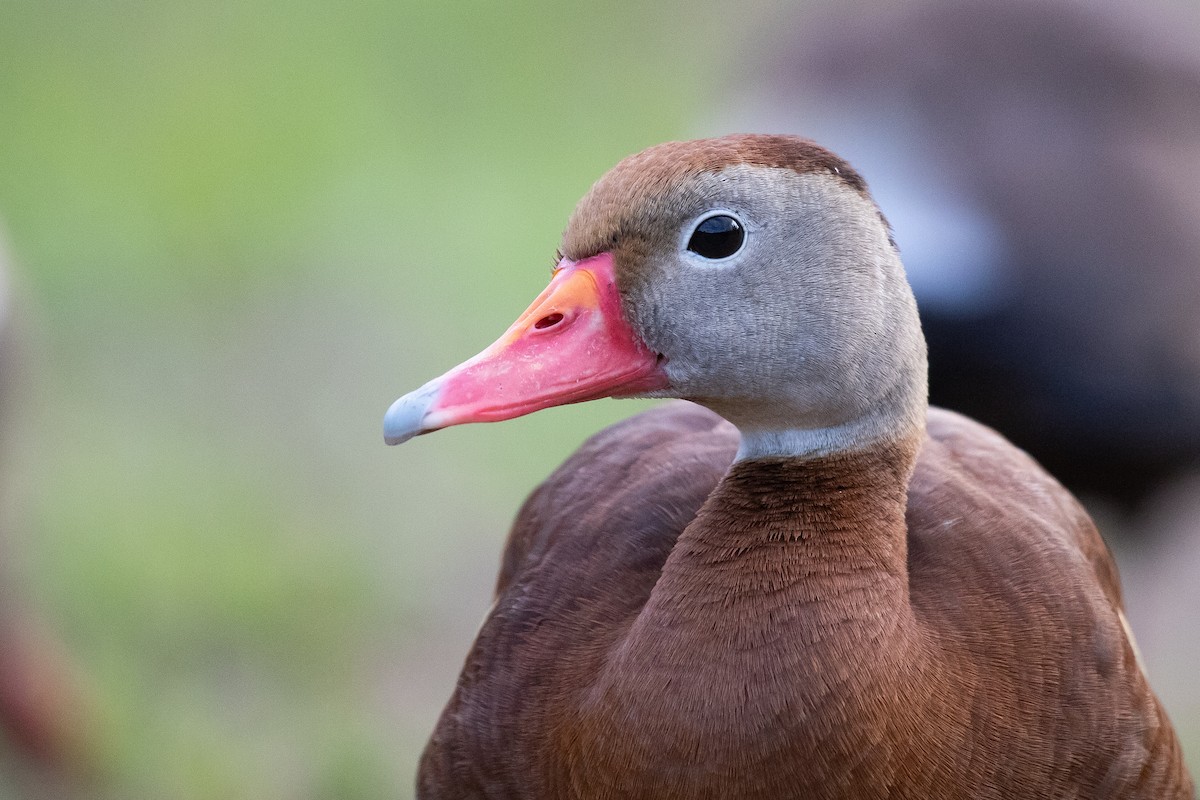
(45, 730)
(40, 703)
(1040, 162)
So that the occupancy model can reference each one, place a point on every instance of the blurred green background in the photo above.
(241, 229)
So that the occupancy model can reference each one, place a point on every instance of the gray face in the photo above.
(810, 326)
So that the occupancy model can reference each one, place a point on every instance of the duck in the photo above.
(1040, 164)
(797, 579)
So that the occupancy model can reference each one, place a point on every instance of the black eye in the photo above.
(719, 236)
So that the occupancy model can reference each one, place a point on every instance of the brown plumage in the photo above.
(835, 596)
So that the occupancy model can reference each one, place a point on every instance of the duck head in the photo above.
(751, 274)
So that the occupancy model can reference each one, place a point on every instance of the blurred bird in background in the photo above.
(1040, 164)
(44, 727)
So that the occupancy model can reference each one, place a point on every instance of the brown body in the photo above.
(804, 630)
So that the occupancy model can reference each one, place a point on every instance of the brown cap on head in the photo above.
(620, 197)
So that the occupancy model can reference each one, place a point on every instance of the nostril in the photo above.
(548, 321)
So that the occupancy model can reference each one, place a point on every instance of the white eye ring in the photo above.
(715, 237)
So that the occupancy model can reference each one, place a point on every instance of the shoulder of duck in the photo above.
(630, 489)
(581, 559)
(973, 484)
(1003, 563)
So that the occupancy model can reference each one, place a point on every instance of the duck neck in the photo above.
(823, 537)
(781, 615)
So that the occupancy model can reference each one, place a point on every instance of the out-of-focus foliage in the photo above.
(241, 230)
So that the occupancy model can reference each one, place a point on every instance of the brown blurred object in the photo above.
(1040, 162)
(45, 716)
(41, 709)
